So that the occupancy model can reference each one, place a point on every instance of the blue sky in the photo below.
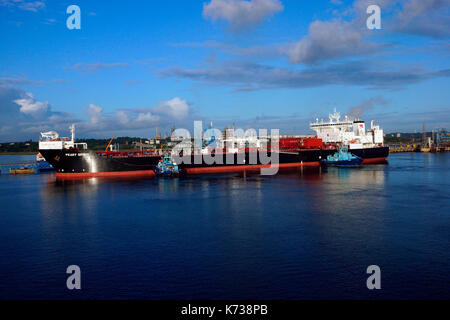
(135, 65)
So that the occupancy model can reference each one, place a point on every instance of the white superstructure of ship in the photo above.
(51, 141)
(349, 131)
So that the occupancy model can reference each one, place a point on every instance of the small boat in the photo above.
(344, 158)
(167, 167)
(21, 170)
(42, 164)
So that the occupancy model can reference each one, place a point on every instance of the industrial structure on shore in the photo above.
(435, 141)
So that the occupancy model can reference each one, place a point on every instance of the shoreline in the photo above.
(17, 153)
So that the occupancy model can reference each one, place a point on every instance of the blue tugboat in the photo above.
(166, 166)
(343, 158)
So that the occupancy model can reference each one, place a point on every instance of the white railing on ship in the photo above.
(81, 145)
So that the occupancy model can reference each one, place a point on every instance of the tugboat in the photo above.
(167, 167)
(343, 158)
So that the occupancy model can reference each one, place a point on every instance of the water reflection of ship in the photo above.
(73, 196)
(341, 203)
(363, 188)
(358, 178)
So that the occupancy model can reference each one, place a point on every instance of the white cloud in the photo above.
(175, 108)
(166, 112)
(122, 117)
(50, 21)
(425, 18)
(338, 38)
(33, 6)
(95, 113)
(147, 117)
(327, 40)
(259, 77)
(415, 8)
(241, 13)
(28, 105)
(28, 116)
(12, 81)
(98, 66)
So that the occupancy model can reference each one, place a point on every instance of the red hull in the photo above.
(374, 161)
(249, 168)
(114, 174)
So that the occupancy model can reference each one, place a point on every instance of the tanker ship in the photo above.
(368, 145)
(73, 160)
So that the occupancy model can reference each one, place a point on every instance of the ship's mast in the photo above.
(335, 116)
(72, 131)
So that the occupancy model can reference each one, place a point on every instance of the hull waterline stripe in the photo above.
(374, 160)
(112, 174)
(226, 169)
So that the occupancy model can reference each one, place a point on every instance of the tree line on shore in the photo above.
(126, 143)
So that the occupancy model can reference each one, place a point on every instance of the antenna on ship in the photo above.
(335, 116)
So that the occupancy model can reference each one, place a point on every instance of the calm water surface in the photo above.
(289, 236)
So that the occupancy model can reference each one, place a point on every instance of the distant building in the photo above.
(442, 137)
(176, 139)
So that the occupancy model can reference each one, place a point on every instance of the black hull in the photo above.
(73, 161)
(245, 159)
(84, 162)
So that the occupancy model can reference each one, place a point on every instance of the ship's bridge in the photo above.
(51, 141)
